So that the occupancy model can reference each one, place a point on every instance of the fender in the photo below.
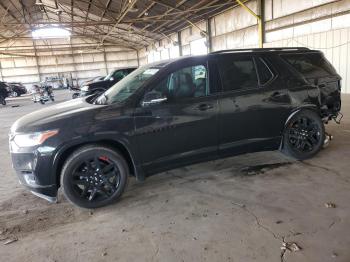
(98, 138)
(300, 108)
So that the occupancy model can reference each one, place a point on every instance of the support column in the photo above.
(209, 36)
(138, 58)
(180, 42)
(36, 61)
(2, 78)
(105, 60)
(258, 17)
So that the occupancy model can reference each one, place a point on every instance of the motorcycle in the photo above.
(42, 93)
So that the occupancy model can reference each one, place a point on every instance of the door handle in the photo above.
(203, 107)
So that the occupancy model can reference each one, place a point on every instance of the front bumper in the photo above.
(34, 170)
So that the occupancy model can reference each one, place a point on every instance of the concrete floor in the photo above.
(215, 211)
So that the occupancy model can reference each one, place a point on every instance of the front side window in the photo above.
(187, 82)
(237, 73)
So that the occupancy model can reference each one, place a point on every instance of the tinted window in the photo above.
(120, 74)
(310, 65)
(184, 83)
(237, 73)
(265, 74)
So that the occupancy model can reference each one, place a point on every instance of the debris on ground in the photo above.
(261, 169)
(290, 246)
(11, 240)
(25, 211)
(279, 222)
(330, 205)
(238, 204)
(104, 254)
(334, 255)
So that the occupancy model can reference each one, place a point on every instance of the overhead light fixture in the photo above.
(51, 32)
(38, 2)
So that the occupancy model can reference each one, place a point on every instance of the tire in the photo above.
(2, 101)
(304, 135)
(42, 102)
(94, 176)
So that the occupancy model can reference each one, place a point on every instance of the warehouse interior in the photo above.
(254, 207)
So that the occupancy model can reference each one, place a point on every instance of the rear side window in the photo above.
(237, 73)
(310, 65)
(264, 72)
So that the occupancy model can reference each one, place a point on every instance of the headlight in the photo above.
(85, 88)
(33, 139)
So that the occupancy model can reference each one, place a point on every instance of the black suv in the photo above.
(174, 113)
(16, 89)
(4, 92)
(102, 85)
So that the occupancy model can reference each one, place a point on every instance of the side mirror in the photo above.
(153, 98)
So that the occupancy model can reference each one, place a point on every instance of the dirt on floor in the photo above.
(254, 207)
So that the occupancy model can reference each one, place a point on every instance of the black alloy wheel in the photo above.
(94, 177)
(304, 135)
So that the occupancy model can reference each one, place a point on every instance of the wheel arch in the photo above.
(117, 145)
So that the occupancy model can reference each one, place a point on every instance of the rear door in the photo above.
(254, 104)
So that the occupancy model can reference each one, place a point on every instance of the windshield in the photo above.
(127, 86)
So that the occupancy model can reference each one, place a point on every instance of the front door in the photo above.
(176, 121)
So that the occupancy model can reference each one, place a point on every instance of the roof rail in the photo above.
(261, 49)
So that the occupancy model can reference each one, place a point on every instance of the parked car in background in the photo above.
(16, 89)
(173, 113)
(92, 80)
(102, 85)
(3, 92)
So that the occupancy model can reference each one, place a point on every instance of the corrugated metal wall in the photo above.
(80, 64)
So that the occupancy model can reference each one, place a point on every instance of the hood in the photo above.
(68, 112)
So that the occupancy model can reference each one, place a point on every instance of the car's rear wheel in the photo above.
(304, 135)
(94, 176)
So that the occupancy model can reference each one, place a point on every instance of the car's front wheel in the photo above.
(304, 135)
(94, 176)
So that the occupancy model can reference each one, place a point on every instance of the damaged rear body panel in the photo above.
(321, 76)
